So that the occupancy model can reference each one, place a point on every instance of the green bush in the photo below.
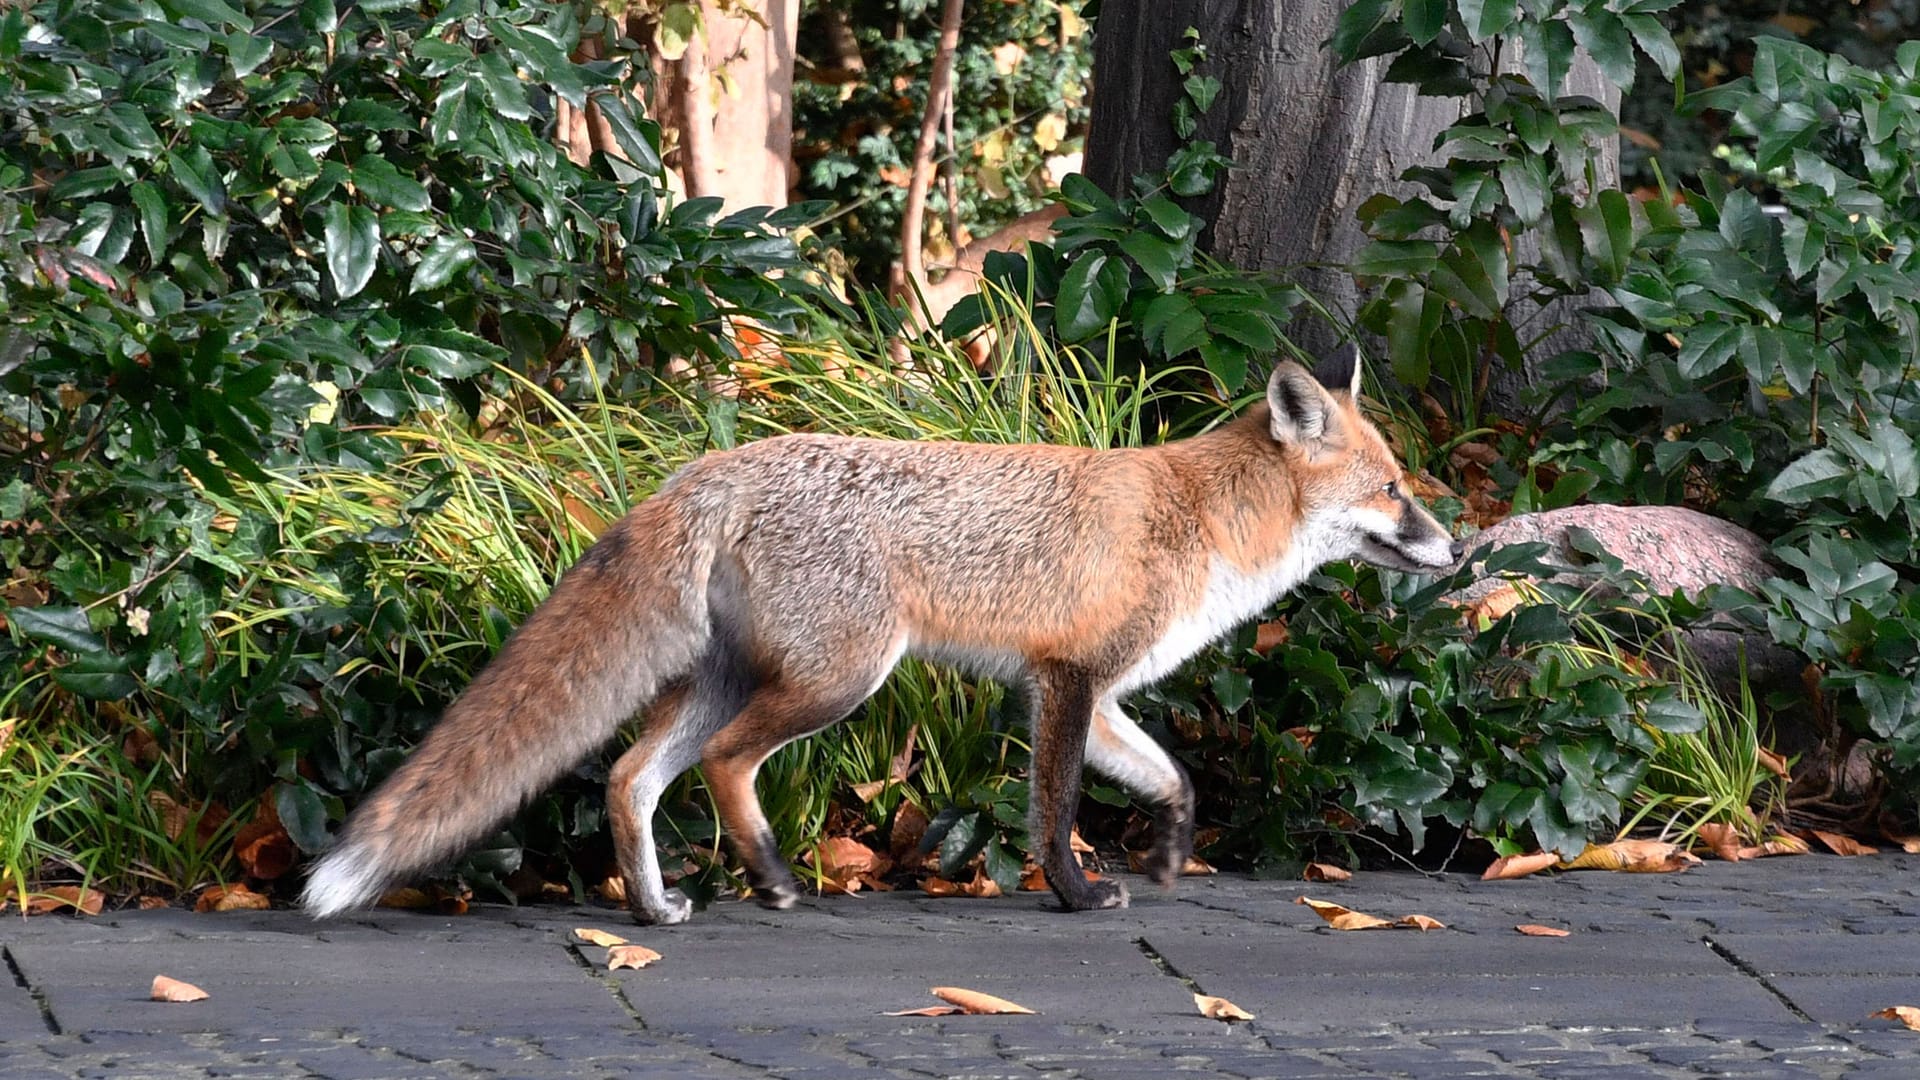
(232, 238)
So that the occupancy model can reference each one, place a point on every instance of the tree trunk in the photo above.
(726, 102)
(1311, 141)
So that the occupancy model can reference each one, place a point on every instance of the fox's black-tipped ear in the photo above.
(1339, 371)
(1302, 411)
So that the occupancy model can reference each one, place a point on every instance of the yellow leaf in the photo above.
(1634, 857)
(1536, 930)
(598, 937)
(975, 1003)
(630, 956)
(674, 29)
(1319, 871)
(1516, 866)
(1219, 1008)
(1008, 56)
(1906, 1014)
(1048, 133)
(1340, 918)
(165, 989)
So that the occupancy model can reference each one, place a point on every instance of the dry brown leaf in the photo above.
(931, 1010)
(870, 790)
(262, 846)
(909, 827)
(1842, 844)
(1269, 636)
(1079, 846)
(1634, 857)
(1518, 866)
(165, 989)
(975, 1003)
(1420, 922)
(1319, 871)
(901, 767)
(1908, 843)
(1723, 840)
(598, 937)
(1536, 930)
(844, 861)
(1906, 1014)
(1774, 764)
(408, 899)
(174, 818)
(1302, 735)
(1034, 880)
(630, 956)
(939, 886)
(613, 890)
(231, 898)
(6, 732)
(1219, 1008)
(1342, 919)
(68, 897)
(153, 903)
(983, 887)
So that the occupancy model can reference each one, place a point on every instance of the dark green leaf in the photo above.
(353, 246)
(1819, 473)
(1156, 257)
(303, 815)
(1485, 18)
(66, 627)
(443, 258)
(1424, 19)
(1606, 39)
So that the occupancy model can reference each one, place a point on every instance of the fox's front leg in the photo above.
(1060, 726)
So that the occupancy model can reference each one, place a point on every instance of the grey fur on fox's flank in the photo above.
(764, 592)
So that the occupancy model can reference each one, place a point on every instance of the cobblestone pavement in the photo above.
(1765, 969)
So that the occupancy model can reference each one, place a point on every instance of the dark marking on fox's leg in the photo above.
(1066, 704)
(1172, 835)
(773, 884)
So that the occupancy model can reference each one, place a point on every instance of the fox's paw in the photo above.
(1097, 896)
(675, 908)
(1168, 858)
(778, 896)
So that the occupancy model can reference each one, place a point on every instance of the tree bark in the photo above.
(1311, 141)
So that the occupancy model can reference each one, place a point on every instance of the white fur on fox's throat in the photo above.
(764, 592)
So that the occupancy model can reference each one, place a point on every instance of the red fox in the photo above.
(764, 592)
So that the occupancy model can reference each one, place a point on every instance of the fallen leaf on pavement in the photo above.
(405, 899)
(1906, 1014)
(1034, 879)
(1776, 845)
(1420, 922)
(1319, 871)
(844, 862)
(630, 956)
(1219, 1008)
(262, 847)
(983, 887)
(598, 937)
(1536, 930)
(73, 897)
(1517, 866)
(165, 989)
(1842, 844)
(931, 1010)
(975, 1003)
(1724, 840)
(153, 903)
(1634, 857)
(231, 898)
(939, 886)
(1342, 919)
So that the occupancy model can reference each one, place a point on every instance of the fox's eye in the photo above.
(1392, 488)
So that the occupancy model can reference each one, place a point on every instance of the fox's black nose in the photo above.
(1459, 549)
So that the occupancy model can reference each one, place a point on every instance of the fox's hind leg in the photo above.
(791, 706)
(671, 734)
(1120, 751)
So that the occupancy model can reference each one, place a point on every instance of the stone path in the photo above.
(1764, 969)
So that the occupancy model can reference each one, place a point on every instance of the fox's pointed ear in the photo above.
(1303, 412)
(1339, 371)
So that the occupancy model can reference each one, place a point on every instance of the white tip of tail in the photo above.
(345, 878)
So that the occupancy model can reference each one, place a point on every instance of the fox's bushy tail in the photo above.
(630, 616)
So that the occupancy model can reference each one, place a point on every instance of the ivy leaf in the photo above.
(1655, 41)
(1485, 18)
(1089, 297)
(1820, 473)
(377, 179)
(66, 627)
(247, 52)
(353, 246)
(443, 258)
(1606, 39)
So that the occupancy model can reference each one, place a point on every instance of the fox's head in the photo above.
(1353, 488)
